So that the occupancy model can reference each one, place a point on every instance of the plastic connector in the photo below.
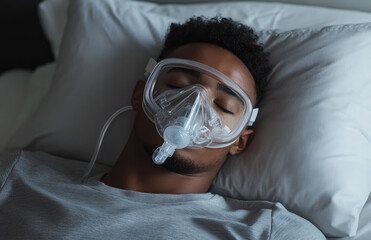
(175, 137)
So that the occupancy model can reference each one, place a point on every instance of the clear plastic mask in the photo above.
(190, 101)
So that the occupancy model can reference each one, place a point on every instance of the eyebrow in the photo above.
(194, 73)
(228, 91)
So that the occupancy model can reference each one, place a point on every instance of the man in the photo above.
(218, 75)
(213, 43)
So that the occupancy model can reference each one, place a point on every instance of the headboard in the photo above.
(25, 46)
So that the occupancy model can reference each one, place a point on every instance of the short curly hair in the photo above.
(236, 37)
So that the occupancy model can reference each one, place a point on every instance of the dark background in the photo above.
(22, 42)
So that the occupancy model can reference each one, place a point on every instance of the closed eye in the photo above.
(172, 86)
(223, 109)
(219, 106)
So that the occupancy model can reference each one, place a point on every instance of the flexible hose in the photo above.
(100, 140)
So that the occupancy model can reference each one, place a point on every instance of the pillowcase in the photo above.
(20, 94)
(11, 81)
(312, 147)
(53, 16)
(312, 144)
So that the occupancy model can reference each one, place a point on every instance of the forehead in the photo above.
(220, 59)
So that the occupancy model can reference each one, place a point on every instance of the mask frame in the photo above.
(150, 107)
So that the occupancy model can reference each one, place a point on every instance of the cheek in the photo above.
(146, 130)
(218, 155)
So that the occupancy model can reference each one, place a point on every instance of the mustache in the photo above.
(176, 163)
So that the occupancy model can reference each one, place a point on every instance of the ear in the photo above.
(242, 142)
(137, 96)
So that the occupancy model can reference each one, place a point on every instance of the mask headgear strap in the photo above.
(149, 67)
(254, 114)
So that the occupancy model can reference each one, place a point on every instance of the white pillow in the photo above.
(20, 94)
(12, 81)
(53, 16)
(312, 145)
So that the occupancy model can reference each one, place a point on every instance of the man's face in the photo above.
(196, 161)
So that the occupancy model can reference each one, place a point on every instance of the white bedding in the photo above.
(20, 94)
(364, 226)
(23, 90)
(13, 87)
(17, 81)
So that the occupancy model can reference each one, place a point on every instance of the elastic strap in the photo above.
(149, 67)
(254, 114)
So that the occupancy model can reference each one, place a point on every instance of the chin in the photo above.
(178, 163)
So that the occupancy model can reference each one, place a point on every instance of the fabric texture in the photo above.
(267, 15)
(11, 82)
(53, 18)
(312, 144)
(21, 92)
(312, 134)
(53, 205)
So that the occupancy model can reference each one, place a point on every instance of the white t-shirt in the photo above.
(41, 198)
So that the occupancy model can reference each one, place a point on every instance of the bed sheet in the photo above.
(364, 225)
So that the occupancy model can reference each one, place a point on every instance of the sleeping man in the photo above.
(193, 111)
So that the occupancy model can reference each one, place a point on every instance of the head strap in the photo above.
(149, 67)
(254, 114)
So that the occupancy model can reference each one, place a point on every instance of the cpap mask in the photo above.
(192, 106)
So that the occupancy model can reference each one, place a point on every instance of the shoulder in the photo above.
(23, 164)
(287, 225)
(279, 222)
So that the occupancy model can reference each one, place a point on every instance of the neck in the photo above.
(135, 170)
